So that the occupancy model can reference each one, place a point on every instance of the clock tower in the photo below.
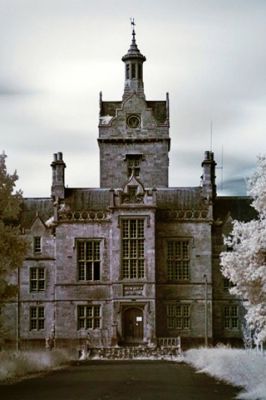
(134, 133)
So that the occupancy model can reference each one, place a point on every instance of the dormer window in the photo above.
(37, 245)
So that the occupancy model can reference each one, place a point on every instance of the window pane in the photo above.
(96, 271)
(89, 267)
(41, 273)
(81, 250)
(96, 323)
(96, 251)
(96, 311)
(41, 312)
(89, 311)
(89, 250)
(33, 312)
(186, 323)
(89, 322)
(81, 311)
(81, 323)
(133, 269)
(41, 324)
(33, 324)
(234, 311)
(141, 268)
(33, 273)
(81, 271)
(234, 322)
(33, 286)
(227, 311)
(41, 285)
(133, 228)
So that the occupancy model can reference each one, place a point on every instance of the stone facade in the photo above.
(134, 260)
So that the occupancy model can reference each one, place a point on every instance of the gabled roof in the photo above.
(41, 206)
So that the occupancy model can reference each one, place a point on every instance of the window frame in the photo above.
(37, 279)
(178, 268)
(178, 316)
(38, 318)
(87, 320)
(89, 268)
(37, 245)
(132, 249)
(230, 317)
(133, 162)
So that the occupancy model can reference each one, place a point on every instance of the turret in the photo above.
(58, 177)
(133, 68)
(208, 176)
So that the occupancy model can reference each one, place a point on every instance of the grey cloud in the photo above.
(236, 187)
(7, 89)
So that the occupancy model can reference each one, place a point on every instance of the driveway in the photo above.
(120, 380)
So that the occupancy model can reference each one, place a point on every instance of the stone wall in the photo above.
(190, 292)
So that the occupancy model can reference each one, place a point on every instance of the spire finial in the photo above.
(133, 24)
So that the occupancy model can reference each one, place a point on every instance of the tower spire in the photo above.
(133, 67)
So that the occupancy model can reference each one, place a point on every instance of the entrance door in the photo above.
(133, 325)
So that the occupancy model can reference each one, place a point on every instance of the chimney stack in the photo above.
(208, 176)
(58, 177)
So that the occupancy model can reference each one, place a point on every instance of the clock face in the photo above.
(133, 121)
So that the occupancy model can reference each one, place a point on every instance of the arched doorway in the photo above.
(133, 325)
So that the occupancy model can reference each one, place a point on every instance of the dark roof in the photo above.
(181, 198)
(109, 108)
(87, 199)
(158, 110)
(31, 207)
(238, 207)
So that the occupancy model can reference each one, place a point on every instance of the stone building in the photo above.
(133, 260)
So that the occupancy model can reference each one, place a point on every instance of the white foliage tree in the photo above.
(245, 264)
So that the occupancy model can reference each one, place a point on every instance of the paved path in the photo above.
(120, 380)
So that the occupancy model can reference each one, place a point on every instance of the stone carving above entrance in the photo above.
(133, 290)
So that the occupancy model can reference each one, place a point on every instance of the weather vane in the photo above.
(132, 21)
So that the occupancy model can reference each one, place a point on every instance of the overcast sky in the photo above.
(57, 55)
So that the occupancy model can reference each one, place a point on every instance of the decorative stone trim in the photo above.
(81, 216)
(183, 214)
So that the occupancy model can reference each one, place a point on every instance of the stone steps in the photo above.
(132, 353)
